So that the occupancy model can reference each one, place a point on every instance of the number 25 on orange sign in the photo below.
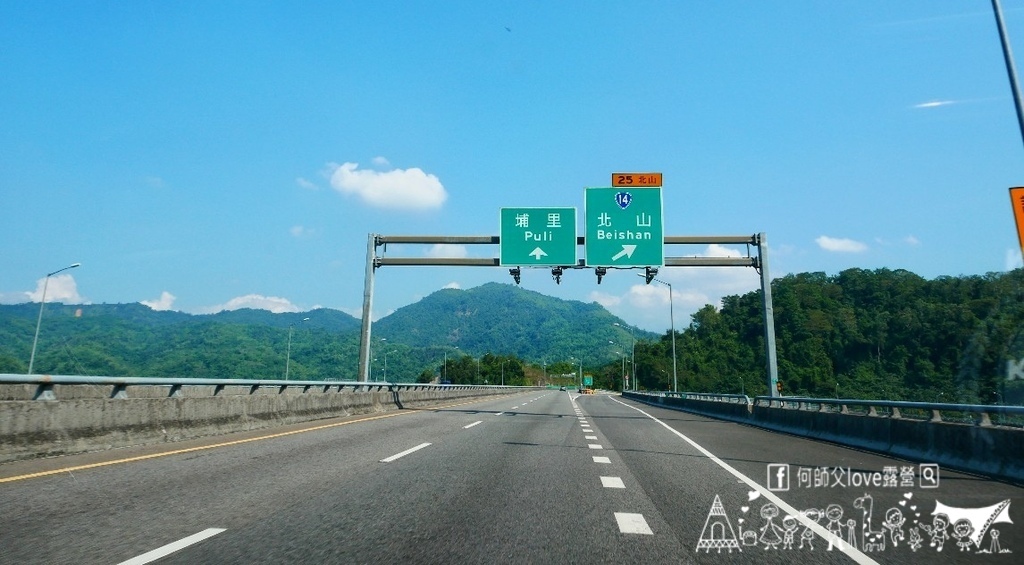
(636, 179)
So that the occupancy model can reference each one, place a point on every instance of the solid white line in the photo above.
(595, 446)
(612, 482)
(826, 535)
(170, 548)
(473, 424)
(632, 523)
(599, 459)
(404, 453)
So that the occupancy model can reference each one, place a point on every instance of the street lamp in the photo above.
(386, 364)
(623, 353)
(39, 321)
(288, 357)
(672, 320)
(632, 352)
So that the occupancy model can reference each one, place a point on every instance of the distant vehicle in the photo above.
(446, 382)
(561, 388)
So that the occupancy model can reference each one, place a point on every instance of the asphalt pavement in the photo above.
(541, 477)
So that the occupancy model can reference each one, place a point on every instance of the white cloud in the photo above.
(398, 188)
(934, 104)
(911, 240)
(165, 301)
(454, 285)
(1013, 259)
(381, 162)
(448, 250)
(300, 231)
(840, 245)
(61, 288)
(274, 304)
(303, 183)
(609, 301)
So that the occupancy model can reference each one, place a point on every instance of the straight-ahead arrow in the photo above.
(627, 251)
(538, 253)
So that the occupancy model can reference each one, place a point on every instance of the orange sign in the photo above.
(1017, 201)
(636, 179)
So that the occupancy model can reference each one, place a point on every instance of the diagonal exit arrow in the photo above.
(627, 251)
(538, 253)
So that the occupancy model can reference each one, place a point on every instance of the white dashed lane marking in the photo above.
(632, 523)
(404, 453)
(172, 547)
(595, 446)
(612, 482)
(590, 437)
(471, 425)
(599, 459)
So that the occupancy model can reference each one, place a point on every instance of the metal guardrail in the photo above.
(978, 414)
(119, 385)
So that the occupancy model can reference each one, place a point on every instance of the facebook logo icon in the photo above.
(778, 476)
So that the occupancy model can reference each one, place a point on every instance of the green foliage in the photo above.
(884, 334)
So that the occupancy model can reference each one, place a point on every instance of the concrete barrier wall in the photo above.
(87, 421)
(988, 450)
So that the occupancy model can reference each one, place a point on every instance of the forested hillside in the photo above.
(498, 323)
(883, 334)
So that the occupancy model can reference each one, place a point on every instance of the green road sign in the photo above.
(624, 227)
(543, 237)
(588, 380)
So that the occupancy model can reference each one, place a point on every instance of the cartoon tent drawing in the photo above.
(717, 533)
(981, 518)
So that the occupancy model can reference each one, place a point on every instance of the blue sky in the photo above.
(210, 155)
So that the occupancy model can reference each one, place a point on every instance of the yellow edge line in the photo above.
(214, 446)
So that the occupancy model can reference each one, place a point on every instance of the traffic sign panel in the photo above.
(624, 227)
(543, 237)
(634, 180)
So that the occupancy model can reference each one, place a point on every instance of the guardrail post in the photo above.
(984, 420)
(936, 416)
(45, 392)
(175, 391)
(119, 391)
(895, 413)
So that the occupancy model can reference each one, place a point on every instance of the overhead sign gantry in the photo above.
(624, 228)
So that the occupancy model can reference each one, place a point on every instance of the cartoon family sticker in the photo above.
(946, 528)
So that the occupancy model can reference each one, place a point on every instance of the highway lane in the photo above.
(688, 482)
(540, 477)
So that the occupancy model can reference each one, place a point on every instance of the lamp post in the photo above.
(672, 320)
(632, 352)
(503, 372)
(39, 321)
(288, 356)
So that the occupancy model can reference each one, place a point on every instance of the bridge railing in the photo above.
(45, 385)
(978, 414)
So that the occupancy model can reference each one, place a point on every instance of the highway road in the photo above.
(539, 477)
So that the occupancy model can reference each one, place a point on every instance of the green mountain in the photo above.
(134, 340)
(505, 319)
